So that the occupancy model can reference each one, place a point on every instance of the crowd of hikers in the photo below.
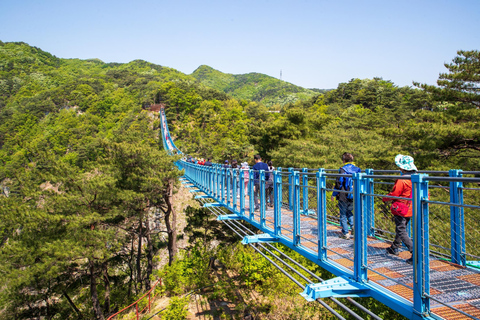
(400, 195)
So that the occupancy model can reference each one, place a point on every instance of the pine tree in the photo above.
(462, 83)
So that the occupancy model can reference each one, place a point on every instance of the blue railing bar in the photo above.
(385, 196)
(420, 171)
(471, 189)
(453, 179)
(440, 247)
(308, 186)
(309, 240)
(339, 191)
(453, 204)
(384, 231)
(338, 175)
(389, 183)
(339, 254)
(406, 177)
(471, 255)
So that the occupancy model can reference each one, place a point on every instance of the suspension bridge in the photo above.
(442, 283)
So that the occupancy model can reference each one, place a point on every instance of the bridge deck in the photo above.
(450, 283)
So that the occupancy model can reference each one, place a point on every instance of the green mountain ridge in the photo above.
(24, 59)
(254, 86)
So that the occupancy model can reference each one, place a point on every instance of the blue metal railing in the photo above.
(307, 196)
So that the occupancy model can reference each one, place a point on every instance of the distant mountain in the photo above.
(253, 86)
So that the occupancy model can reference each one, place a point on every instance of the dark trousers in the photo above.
(256, 195)
(346, 215)
(269, 192)
(401, 234)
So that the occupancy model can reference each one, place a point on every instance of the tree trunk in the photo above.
(79, 314)
(150, 253)
(139, 257)
(97, 309)
(130, 266)
(171, 227)
(106, 281)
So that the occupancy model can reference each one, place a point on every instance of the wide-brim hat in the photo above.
(405, 162)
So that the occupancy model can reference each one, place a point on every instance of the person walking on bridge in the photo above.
(246, 177)
(269, 185)
(259, 165)
(401, 208)
(345, 200)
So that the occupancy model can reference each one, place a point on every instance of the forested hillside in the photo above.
(82, 170)
(372, 118)
(269, 91)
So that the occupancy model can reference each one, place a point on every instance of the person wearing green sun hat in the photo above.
(402, 208)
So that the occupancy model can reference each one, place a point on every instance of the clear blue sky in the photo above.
(316, 43)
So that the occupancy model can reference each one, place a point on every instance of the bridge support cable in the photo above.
(247, 231)
(326, 306)
(313, 275)
(242, 232)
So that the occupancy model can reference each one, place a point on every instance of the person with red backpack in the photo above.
(345, 200)
(401, 208)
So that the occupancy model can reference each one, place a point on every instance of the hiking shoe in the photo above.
(390, 250)
(409, 261)
(345, 236)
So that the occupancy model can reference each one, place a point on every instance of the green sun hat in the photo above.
(405, 162)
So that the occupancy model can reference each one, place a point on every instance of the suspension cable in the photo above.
(239, 226)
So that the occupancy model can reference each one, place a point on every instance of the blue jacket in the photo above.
(256, 174)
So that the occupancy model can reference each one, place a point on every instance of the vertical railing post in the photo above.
(209, 179)
(296, 208)
(242, 191)
(370, 203)
(322, 214)
(305, 190)
(261, 184)
(217, 184)
(280, 195)
(229, 189)
(251, 185)
(360, 267)
(212, 180)
(421, 246)
(290, 188)
(222, 184)
(235, 189)
(136, 310)
(277, 196)
(219, 181)
(457, 220)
